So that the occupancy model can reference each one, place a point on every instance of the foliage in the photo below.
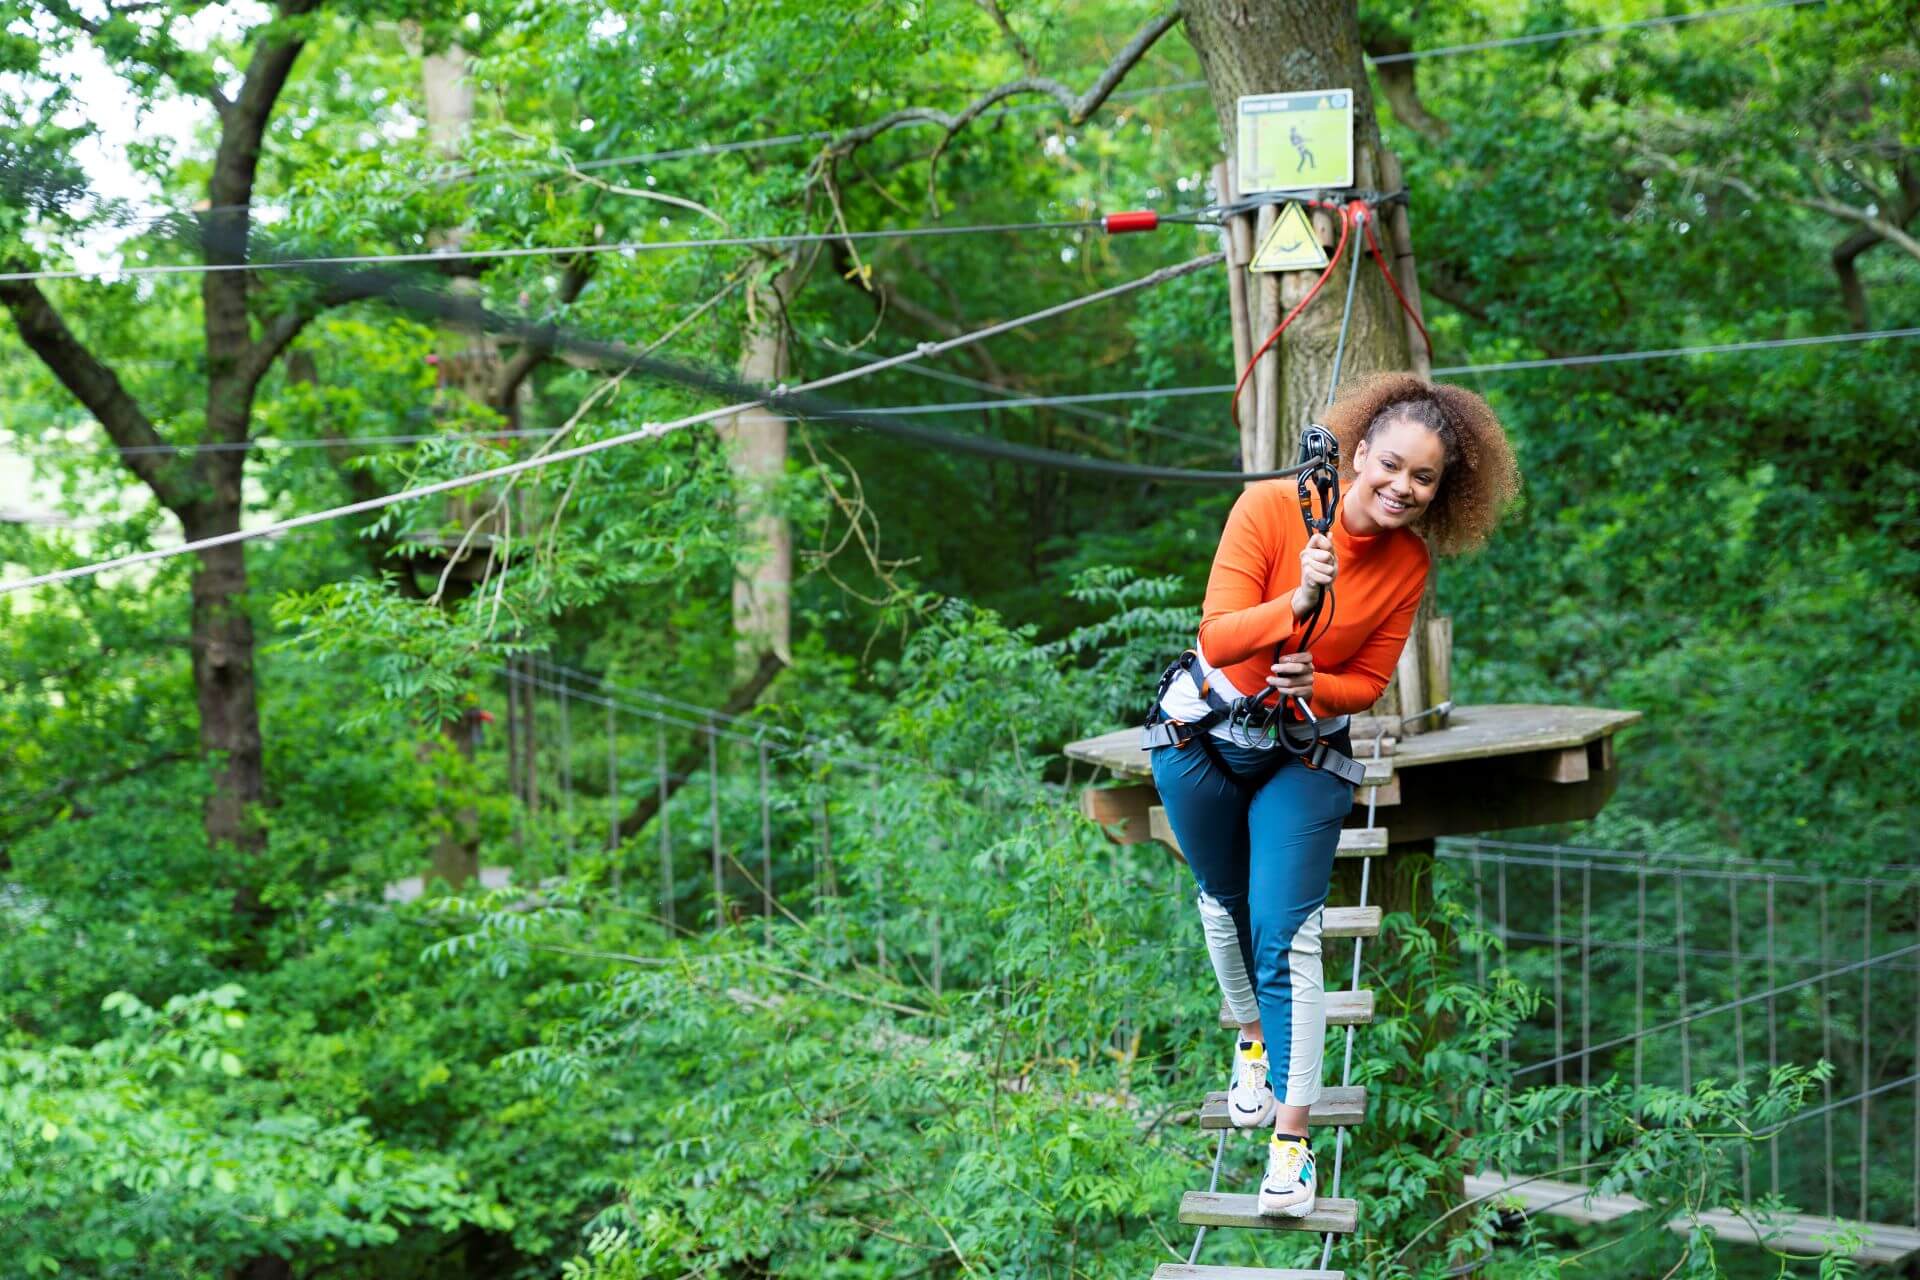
(971, 1039)
(143, 1155)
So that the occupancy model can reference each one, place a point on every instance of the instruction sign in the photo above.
(1291, 245)
(1295, 141)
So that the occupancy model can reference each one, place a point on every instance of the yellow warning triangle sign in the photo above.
(1291, 245)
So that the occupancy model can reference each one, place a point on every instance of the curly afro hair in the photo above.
(1479, 478)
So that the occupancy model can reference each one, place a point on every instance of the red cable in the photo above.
(1345, 224)
(1395, 286)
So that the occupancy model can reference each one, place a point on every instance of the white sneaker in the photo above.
(1288, 1189)
(1250, 1100)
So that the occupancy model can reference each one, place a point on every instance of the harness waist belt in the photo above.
(1320, 755)
(1160, 732)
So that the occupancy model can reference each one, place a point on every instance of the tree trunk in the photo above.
(456, 850)
(468, 366)
(224, 687)
(756, 442)
(1279, 46)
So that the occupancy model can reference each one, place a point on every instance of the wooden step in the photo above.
(1218, 1209)
(1181, 1271)
(1344, 1009)
(1337, 1106)
(1355, 842)
(1350, 922)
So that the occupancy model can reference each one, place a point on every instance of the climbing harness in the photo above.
(1309, 741)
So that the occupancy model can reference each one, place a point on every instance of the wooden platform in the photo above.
(1494, 767)
(1887, 1244)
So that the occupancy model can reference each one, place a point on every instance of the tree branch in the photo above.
(1823, 203)
(1079, 109)
(1397, 80)
(528, 358)
(279, 333)
(163, 469)
(999, 16)
(243, 123)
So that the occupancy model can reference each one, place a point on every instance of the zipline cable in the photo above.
(553, 251)
(469, 314)
(1570, 33)
(969, 406)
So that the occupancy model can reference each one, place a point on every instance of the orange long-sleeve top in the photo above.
(1249, 605)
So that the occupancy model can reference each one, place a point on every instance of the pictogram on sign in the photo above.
(1292, 245)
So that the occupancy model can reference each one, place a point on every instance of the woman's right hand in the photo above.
(1293, 676)
(1317, 569)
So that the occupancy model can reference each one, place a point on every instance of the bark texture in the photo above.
(756, 442)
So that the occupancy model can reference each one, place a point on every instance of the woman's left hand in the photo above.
(1293, 675)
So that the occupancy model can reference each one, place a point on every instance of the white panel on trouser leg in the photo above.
(1309, 1031)
(1229, 966)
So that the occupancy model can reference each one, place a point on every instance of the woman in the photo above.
(1258, 826)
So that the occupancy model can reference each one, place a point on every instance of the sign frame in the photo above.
(1318, 107)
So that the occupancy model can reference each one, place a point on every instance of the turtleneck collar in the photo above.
(1347, 541)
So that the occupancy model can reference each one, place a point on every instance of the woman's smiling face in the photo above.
(1396, 475)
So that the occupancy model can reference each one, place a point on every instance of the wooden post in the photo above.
(1239, 254)
(1266, 374)
(1439, 666)
(1410, 679)
(1399, 248)
(1292, 286)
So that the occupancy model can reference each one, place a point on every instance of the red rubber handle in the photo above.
(1131, 220)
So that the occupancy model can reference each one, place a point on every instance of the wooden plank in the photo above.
(1125, 807)
(1362, 842)
(1366, 726)
(1400, 230)
(1798, 1233)
(1350, 922)
(1411, 683)
(1219, 1209)
(1181, 1271)
(1355, 842)
(1338, 1107)
(1439, 664)
(1507, 728)
(1569, 764)
(1344, 1009)
(1384, 795)
(1473, 733)
(1600, 755)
